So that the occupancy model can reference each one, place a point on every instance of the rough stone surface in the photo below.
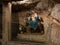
(55, 34)
(56, 12)
(42, 5)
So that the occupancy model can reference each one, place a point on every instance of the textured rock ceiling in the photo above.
(24, 6)
(58, 1)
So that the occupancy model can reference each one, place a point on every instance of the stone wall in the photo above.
(55, 33)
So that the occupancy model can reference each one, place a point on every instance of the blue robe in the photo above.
(34, 24)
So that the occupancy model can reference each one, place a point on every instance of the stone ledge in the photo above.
(25, 43)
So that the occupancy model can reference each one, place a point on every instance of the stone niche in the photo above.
(47, 25)
(37, 36)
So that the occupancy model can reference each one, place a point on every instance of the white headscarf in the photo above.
(35, 15)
